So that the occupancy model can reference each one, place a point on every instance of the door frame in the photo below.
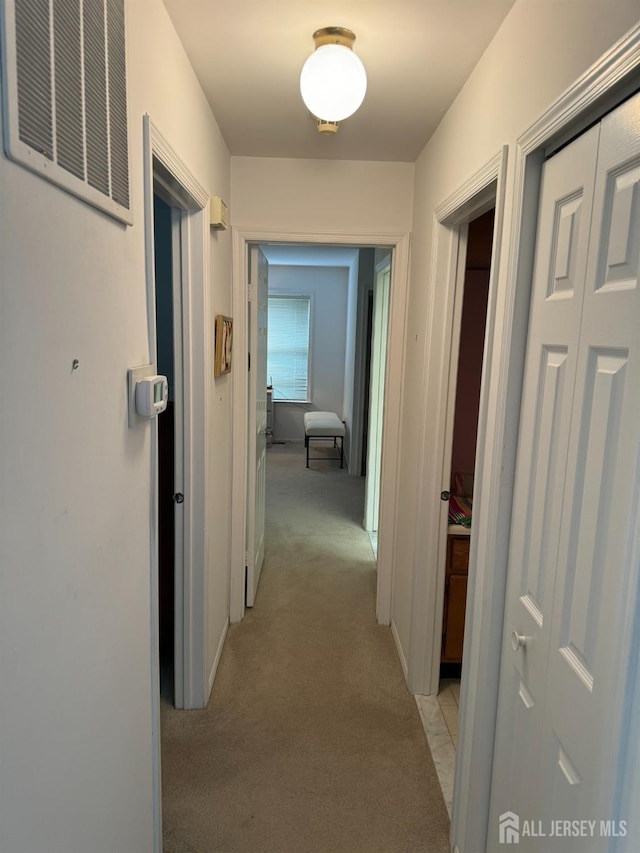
(182, 191)
(484, 190)
(399, 244)
(609, 81)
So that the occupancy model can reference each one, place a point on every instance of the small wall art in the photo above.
(224, 340)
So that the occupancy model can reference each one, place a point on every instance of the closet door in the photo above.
(598, 567)
(567, 630)
(551, 362)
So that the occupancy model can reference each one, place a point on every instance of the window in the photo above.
(288, 347)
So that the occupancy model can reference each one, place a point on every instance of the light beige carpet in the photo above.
(311, 742)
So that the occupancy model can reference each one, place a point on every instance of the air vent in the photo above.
(65, 96)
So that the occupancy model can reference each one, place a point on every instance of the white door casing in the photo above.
(393, 403)
(258, 302)
(571, 573)
(184, 192)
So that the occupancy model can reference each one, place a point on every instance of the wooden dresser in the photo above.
(455, 593)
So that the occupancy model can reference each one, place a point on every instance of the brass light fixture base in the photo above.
(334, 35)
(327, 127)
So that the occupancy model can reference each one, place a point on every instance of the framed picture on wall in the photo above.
(224, 341)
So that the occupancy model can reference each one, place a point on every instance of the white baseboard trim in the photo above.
(403, 660)
(216, 660)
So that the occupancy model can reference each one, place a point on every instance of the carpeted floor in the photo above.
(311, 742)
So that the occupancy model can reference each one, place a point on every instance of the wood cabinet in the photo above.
(455, 597)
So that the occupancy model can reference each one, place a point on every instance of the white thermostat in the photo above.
(152, 394)
(148, 393)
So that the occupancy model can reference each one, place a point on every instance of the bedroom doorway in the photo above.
(399, 246)
(328, 331)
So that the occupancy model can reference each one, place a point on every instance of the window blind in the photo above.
(288, 347)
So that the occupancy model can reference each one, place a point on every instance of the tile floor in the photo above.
(373, 536)
(439, 716)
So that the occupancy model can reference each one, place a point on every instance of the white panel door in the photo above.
(550, 368)
(570, 573)
(376, 396)
(591, 622)
(256, 493)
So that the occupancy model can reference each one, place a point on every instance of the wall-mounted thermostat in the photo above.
(218, 213)
(152, 394)
(148, 393)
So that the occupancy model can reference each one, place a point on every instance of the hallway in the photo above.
(311, 741)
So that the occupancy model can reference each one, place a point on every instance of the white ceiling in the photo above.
(418, 53)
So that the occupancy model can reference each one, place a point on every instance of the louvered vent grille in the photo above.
(66, 90)
(34, 85)
(67, 47)
(118, 102)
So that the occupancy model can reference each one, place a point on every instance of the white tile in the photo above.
(450, 714)
(440, 743)
(430, 712)
(455, 689)
(373, 538)
(445, 696)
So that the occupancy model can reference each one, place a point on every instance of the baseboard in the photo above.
(403, 660)
(216, 660)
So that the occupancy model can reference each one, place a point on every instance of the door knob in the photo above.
(178, 498)
(518, 640)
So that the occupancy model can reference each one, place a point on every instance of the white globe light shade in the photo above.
(333, 82)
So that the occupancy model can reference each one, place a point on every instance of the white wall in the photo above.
(328, 288)
(321, 195)
(75, 703)
(542, 47)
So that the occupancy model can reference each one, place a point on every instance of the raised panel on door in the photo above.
(550, 368)
(597, 572)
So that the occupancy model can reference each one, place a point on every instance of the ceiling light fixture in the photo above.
(333, 81)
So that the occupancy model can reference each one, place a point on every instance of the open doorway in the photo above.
(463, 407)
(178, 346)
(328, 309)
(399, 243)
(165, 345)
(473, 213)
(465, 391)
